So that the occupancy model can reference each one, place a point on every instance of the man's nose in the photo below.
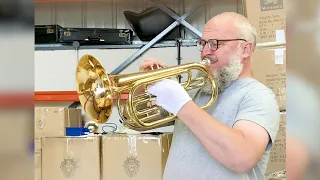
(206, 51)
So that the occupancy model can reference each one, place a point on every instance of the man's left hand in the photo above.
(170, 95)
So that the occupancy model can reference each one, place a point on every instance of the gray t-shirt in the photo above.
(245, 99)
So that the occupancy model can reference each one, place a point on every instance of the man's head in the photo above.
(228, 40)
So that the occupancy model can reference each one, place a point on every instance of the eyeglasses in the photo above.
(213, 44)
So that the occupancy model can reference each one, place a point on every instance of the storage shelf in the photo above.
(134, 45)
(62, 96)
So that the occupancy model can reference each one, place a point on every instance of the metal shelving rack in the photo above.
(134, 45)
(178, 21)
(141, 46)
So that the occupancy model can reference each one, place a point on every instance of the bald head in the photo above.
(232, 24)
(228, 40)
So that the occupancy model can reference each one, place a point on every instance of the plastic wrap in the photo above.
(280, 175)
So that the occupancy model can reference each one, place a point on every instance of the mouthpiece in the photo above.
(206, 62)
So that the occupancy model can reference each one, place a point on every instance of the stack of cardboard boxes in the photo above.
(94, 157)
(49, 123)
(269, 64)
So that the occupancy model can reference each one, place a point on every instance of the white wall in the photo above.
(55, 70)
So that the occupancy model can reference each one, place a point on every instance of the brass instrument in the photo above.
(96, 90)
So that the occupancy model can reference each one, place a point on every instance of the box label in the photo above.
(268, 5)
(269, 22)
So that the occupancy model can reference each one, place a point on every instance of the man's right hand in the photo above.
(146, 66)
(150, 63)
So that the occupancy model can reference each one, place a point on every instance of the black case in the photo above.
(47, 33)
(150, 22)
(96, 36)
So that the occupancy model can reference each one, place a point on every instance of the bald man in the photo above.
(232, 139)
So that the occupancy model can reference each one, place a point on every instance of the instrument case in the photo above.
(96, 36)
(47, 33)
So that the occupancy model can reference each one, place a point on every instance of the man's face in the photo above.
(226, 60)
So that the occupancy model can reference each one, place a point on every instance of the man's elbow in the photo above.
(243, 165)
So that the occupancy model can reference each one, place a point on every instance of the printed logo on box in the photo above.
(268, 5)
(131, 166)
(40, 123)
(68, 167)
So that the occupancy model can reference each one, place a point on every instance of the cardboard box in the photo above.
(268, 17)
(72, 158)
(277, 159)
(16, 126)
(269, 67)
(37, 158)
(52, 121)
(134, 157)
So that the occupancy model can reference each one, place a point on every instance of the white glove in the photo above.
(170, 95)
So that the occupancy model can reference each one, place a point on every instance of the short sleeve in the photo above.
(260, 106)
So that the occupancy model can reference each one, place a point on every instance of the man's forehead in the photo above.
(215, 32)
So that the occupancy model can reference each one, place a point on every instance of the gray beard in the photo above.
(226, 76)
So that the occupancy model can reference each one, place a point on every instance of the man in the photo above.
(233, 138)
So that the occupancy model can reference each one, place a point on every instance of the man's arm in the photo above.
(298, 158)
(238, 148)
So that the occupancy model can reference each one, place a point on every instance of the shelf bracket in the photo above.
(179, 20)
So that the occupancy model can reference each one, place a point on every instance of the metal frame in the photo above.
(179, 20)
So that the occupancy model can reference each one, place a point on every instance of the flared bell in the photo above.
(94, 89)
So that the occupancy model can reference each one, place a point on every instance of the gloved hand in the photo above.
(170, 95)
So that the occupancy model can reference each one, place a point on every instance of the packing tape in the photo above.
(69, 153)
(280, 40)
(132, 144)
(279, 56)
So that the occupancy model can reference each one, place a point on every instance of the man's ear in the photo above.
(248, 49)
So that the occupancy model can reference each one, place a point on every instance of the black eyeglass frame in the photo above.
(217, 45)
